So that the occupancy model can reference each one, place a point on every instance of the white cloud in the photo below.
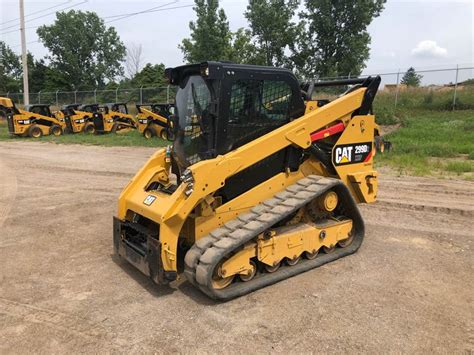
(429, 49)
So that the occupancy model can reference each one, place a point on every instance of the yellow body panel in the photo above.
(110, 117)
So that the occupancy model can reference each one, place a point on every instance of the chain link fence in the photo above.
(131, 96)
(440, 89)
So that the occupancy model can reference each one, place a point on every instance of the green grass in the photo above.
(432, 142)
(460, 167)
(128, 139)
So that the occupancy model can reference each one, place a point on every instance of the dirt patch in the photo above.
(408, 289)
(387, 129)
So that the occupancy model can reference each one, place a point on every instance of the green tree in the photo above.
(411, 78)
(84, 52)
(210, 34)
(334, 40)
(10, 70)
(272, 26)
(150, 75)
(243, 50)
(40, 76)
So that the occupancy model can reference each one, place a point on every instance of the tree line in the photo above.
(312, 37)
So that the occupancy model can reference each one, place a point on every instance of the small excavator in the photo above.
(260, 184)
(153, 120)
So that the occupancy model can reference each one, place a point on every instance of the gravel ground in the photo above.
(408, 289)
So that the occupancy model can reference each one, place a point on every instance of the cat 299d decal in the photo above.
(351, 153)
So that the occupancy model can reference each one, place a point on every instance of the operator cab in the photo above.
(89, 108)
(222, 106)
(117, 107)
(164, 110)
(69, 109)
(40, 109)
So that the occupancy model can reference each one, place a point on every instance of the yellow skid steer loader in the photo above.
(34, 121)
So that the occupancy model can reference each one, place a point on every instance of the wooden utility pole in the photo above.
(24, 60)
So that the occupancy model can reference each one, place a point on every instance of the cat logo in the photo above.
(343, 155)
(149, 200)
(352, 153)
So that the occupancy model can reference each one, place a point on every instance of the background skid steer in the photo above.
(34, 121)
(75, 119)
(260, 184)
(154, 120)
(112, 118)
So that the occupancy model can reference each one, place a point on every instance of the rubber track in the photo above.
(206, 253)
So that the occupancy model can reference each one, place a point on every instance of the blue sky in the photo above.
(423, 34)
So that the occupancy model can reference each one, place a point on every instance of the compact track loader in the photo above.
(259, 185)
(75, 119)
(34, 121)
(113, 117)
(153, 120)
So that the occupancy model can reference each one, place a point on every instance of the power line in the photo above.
(157, 9)
(143, 11)
(19, 45)
(123, 16)
(36, 12)
(49, 13)
(17, 29)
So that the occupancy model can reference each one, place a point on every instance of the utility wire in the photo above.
(17, 29)
(36, 12)
(143, 11)
(124, 16)
(19, 45)
(49, 13)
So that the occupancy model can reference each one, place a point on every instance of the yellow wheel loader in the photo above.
(112, 118)
(153, 120)
(34, 121)
(75, 119)
(259, 185)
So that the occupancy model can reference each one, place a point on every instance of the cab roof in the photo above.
(219, 70)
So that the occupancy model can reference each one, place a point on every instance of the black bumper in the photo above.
(144, 253)
(98, 123)
(11, 127)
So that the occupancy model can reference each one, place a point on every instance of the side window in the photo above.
(256, 108)
(276, 96)
(257, 101)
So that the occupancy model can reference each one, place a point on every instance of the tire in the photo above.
(89, 128)
(35, 132)
(55, 130)
(170, 134)
(149, 133)
(164, 134)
